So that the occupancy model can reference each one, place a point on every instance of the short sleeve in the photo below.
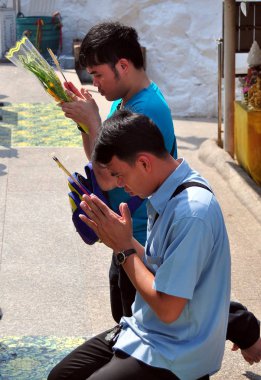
(156, 109)
(185, 258)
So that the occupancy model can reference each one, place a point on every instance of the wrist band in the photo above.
(80, 129)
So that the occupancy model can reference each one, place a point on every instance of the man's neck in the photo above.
(163, 169)
(138, 81)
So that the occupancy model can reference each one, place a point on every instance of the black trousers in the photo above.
(95, 360)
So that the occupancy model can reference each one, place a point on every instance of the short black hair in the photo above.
(108, 42)
(124, 135)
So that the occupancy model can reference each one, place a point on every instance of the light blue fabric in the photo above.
(149, 102)
(188, 251)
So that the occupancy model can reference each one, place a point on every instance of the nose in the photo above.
(120, 182)
(95, 82)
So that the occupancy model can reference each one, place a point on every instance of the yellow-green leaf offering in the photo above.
(25, 55)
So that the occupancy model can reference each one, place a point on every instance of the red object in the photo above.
(56, 16)
(39, 24)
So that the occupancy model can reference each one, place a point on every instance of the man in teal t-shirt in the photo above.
(119, 74)
(150, 102)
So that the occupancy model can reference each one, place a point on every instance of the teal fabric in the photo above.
(151, 103)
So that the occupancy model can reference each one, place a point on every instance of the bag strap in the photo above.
(185, 185)
(182, 187)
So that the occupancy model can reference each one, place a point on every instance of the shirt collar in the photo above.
(160, 198)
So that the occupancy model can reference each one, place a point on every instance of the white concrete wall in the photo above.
(179, 35)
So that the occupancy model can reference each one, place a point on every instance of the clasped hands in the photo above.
(82, 108)
(113, 230)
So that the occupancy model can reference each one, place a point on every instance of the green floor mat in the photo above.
(37, 124)
(33, 357)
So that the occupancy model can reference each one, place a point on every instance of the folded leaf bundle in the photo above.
(25, 55)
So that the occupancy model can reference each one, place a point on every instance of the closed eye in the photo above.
(116, 175)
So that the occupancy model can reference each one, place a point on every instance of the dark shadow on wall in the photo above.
(7, 119)
(3, 170)
(246, 177)
(6, 153)
(252, 376)
(5, 136)
(194, 142)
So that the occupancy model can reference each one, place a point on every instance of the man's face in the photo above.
(108, 80)
(133, 178)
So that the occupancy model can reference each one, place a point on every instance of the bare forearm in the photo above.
(88, 141)
(138, 247)
(168, 308)
(85, 112)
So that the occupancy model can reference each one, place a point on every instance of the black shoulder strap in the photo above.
(184, 186)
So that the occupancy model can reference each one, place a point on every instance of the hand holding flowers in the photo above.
(82, 108)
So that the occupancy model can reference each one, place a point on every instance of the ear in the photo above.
(144, 162)
(123, 64)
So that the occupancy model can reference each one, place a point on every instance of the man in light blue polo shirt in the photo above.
(182, 275)
(188, 252)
